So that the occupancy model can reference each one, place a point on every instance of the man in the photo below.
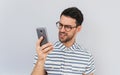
(67, 57)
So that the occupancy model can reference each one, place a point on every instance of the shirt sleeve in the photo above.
(90, 66)
(35, 59)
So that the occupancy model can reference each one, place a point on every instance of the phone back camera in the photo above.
(40, 31)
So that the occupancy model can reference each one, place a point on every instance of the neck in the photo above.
(69, 43)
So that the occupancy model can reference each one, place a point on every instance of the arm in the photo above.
(42, 53)
(39, 68)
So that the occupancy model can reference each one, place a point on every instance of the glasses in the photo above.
(66, 27)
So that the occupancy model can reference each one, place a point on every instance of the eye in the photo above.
(60, 24)
(67, 26)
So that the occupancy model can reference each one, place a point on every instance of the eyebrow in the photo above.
(65, 25)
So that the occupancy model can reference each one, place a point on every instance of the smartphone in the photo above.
(41, 31)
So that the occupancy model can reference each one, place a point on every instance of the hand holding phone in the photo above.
(43, 51)
(41, 32)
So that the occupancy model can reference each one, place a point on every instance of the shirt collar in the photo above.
(62, 47)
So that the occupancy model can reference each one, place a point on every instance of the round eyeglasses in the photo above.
(66, 27)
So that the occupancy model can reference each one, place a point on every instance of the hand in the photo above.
(44, 50)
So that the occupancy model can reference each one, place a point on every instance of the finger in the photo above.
(38, 48)
(46, 45)
(39, 41)
(48, 49)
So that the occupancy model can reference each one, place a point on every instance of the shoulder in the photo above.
(58, 45)
(82, 50)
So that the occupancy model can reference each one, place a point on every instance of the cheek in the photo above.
(73, 33)
(70, 34)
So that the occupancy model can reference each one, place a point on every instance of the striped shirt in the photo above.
(69, 61)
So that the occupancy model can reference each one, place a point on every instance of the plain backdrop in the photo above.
(20, 18)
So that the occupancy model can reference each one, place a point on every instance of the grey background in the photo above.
(20, 18)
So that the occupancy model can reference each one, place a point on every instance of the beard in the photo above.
(64, 37)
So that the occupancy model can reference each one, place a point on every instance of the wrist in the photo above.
(40, 61)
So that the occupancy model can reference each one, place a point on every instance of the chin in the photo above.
(63, 41)
(60, 40)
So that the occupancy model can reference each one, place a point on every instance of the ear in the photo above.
(79, 28)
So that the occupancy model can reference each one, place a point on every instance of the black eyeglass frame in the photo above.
(66, 27)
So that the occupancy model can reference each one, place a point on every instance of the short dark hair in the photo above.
(74, 13)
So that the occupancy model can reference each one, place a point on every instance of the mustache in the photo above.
(63, 33)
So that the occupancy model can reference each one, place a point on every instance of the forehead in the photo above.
(66, 20)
